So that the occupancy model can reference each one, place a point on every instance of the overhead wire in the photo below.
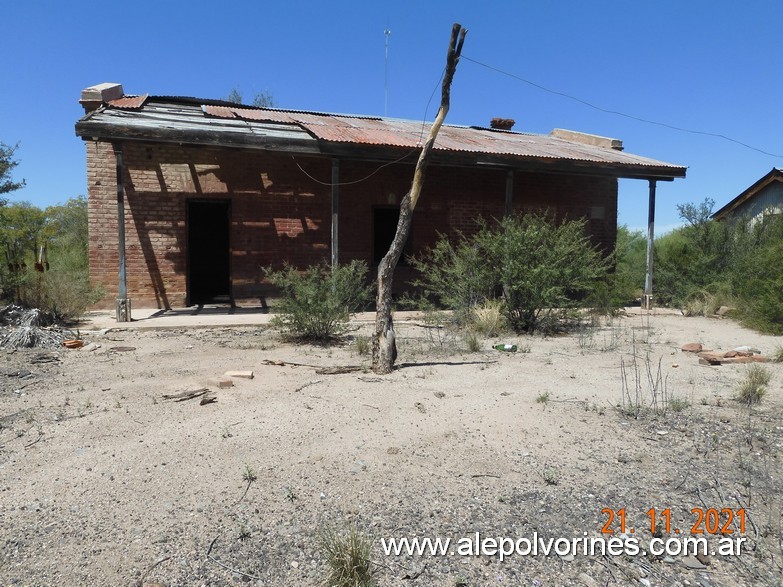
(405, 156)
(619, 113)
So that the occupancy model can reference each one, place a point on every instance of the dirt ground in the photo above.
(103, 481)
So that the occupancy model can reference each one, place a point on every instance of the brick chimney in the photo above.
(96, 96)
(502, 123)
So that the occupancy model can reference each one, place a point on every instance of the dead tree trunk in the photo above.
(384, 347)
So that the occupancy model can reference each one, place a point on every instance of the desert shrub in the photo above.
(756, 274)
(63, 288)
(630, 254)
(707, 301)
(347, 558)
(487, 318)
(316, 303)
(545, 268)
(753, 387)
(541, 268)
(455, 275)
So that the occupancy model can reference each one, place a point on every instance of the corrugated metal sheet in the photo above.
(129, 102)
(411, 134)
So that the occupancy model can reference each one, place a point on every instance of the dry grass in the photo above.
(348, 558)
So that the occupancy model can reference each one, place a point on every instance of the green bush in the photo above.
(317, 302)
(456, 275)
(543, 269)
(63, 289)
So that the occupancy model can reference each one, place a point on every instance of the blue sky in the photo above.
(711, 66)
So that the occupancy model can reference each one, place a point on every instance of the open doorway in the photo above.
(384, 227)
(209, 252)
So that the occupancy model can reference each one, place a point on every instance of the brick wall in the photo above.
(281, 212)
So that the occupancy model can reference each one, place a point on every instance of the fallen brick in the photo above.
(239, 374)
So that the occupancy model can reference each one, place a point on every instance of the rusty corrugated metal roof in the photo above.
(222, 123)
(388, 132)
(129, 102)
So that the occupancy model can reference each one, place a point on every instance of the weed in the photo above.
(678, 404)
(551, 476)
(362, 345)
(753, 387)
(472, 342)
(487, 318)
(647, 389)
(249, 475)
(290, 494)
(29, 417)
(348, 558)
(777, 355)
(226, 433)
(542, 398)
(243, 533)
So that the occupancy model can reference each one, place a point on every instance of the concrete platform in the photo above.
(202, 317)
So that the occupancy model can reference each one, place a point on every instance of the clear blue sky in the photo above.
(710, 66)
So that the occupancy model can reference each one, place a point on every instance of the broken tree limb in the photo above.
(186, 395)
(384, 346)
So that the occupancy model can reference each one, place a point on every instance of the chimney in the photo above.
(96, 96)
(502, 123)
(587, 139)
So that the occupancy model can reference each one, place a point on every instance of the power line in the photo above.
(623, 114)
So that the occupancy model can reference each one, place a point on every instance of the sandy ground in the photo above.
(103, 481)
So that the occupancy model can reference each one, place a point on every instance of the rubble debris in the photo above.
(716, 358)
(30, 328)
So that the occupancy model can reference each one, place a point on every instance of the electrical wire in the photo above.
(623, 114)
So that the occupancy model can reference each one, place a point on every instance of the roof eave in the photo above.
(775, 175)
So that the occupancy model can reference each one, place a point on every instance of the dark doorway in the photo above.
(384, 227)
(209, 253)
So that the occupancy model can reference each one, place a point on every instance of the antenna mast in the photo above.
(386, 32)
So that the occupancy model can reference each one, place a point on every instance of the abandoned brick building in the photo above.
(211, 192)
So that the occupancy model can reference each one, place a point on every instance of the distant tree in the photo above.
(7, 163)
(234, 96)
(261, 100)
(264, 100)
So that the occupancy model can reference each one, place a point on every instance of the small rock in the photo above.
(439, 394)
(723, 310)
(567, 557)
(295, 564)
(691, 562)
(420, 407)
(692, 347)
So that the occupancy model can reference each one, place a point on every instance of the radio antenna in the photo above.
(386, 32)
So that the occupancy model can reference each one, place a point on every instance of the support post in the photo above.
(648, 278)
(123, 305)
(335, 212)
(509, 208)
